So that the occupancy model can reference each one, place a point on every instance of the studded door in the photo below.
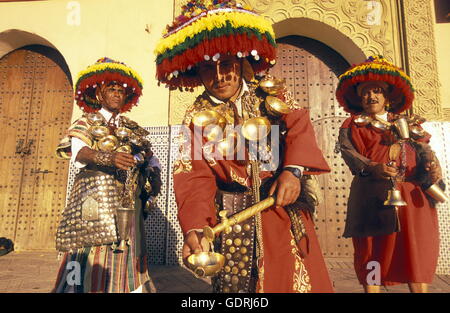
(35, 110)
(311, 69)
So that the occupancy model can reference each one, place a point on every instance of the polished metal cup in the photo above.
(124, 220)
(402, 127)
(205, 263)
(437, 193)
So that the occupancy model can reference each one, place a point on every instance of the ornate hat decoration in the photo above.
(103, 71)
(375, 68)
(205, 30)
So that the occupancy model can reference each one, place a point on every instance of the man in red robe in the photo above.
(394, 242)
(276, 250)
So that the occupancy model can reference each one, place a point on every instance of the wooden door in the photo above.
(35, 111)
(311, 69)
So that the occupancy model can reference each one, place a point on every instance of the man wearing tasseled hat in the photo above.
(220, 45)
(391, 218)
(101, 233)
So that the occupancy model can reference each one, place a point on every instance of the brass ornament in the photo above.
(276, 106)
(437, 193)
(123, 133)
(89, 210)
(95, 119)
(272, 85)
(256, 128)
(124, 149)
(108, 143)
(209, 117)
(103, 158)
(99, 132)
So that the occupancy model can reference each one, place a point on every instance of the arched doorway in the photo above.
(35, 111)
(311, 70)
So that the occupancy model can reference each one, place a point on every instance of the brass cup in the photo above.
(417, 131)
(276, 106)
(402, 127)
(256, 128)
(205, 263)
(379, 125)
(213, 132)
(95, 119)
(99, 132)
(208, 117)
(271, 85)
(394, 198)
(123, 133)
(135, 140)
(437, 193)
(124, 149)
(228, 146)
(362, 120)
(108, 143)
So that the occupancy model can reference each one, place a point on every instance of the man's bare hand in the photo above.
(194, 242)
(287, 188)
(123, 161)
(383, 171)
(434, 170)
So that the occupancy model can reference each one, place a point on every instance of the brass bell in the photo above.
(394, 198)
(256, 128)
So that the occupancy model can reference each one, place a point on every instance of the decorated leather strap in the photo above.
(237, 245)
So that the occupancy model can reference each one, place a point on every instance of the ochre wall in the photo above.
(442, 39)
(113, 28)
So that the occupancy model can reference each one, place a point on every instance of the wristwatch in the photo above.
(296, 171)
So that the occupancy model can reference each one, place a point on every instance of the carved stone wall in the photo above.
(372, 25)
(421, 54)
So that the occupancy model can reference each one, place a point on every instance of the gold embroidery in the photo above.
(301, 279)
(236, 178)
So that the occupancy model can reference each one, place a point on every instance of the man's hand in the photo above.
(194, 242)
(434, 170)
(383, 171)
(287, 187)
(123, 161)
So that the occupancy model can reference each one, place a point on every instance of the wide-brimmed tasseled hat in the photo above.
(207, 29)
(104, 71)
(375, 69)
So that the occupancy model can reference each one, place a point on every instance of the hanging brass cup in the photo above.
(108, 143)
(123, 133)
(437, 193)
(276, 106)
(124, 219)
(402, 127)
(271, 85)
(124, 149)
(213, 122)
(256, 128)
(99, 132)
(362, 120)
(95, 119)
